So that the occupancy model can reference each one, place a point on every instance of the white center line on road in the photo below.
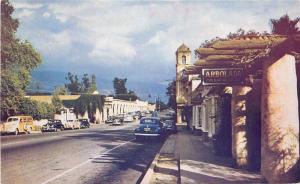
(83, 163)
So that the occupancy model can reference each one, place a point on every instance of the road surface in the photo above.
(97, 155)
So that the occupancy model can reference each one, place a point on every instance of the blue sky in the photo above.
(134, 39)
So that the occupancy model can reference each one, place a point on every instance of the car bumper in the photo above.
(48, 129)
(147, 135)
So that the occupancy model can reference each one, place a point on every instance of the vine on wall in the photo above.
(86, 103)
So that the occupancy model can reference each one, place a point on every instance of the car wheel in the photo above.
(16, 132)
(29, 131)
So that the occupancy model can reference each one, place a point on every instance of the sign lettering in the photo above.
(223, 76)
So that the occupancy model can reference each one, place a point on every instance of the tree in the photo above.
(74, 86)
(56, 102)
(18, 59)
(60, 90)
(119, 86)
(171, 92)
(38, 110)
(85, 84)
(93, 86)
(285, 26)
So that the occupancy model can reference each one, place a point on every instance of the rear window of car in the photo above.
(149, 121)
(12, 119)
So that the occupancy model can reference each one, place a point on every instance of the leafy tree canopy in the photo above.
(80, 87)
(171, 92)
(120, 85)
(18, 59)
(285, 25)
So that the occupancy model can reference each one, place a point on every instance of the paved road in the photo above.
(95, 155)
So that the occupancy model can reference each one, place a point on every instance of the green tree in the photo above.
(18, 59)
(120, 86)
(171, 93)
(60, 90)
(85, 84)
(93, 86)
(285, 26)
(73, 85)
(56, 102)
(38, 110)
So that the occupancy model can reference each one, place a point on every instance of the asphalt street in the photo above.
(95, 155)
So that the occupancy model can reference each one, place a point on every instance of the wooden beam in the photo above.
(222, 57)
(212, 51)
(258, 43)
(214, 63)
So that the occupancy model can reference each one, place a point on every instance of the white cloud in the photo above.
(26, 5)
(54, 44)
(113, 48)
(46, 14)
(24, 13)
(126, 31)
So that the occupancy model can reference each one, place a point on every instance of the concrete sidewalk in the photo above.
(184, 158)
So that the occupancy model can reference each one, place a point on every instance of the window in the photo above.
(183, 60)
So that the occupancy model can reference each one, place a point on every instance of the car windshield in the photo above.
(149, 121)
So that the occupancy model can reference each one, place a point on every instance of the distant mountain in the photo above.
(45, 81)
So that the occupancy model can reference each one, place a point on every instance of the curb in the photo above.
(150, 171)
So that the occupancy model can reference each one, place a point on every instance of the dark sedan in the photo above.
(53, 126)
(170, 126)
(84, 123)
(149, 127)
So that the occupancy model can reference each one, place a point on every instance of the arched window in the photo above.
(183, 60)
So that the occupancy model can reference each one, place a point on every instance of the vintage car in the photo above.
(128, 118)
(110, 119)
(150, 127)
(17, 124)
(117, 121)
(170, 126)
(53, 125)
(84, 123)
(72, 124)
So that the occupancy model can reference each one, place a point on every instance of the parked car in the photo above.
(150, 127)
(134, 115)
(72, 123)
(128, 118)
(110, 119)
(142, 115)
(17, 124)
(53, 125)
(84, 123)
(170, 126)
(117, 121)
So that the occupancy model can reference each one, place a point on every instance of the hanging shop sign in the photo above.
(223, 76)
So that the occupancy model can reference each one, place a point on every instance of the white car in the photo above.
(72, 123)
(117, 121)
(128, 118)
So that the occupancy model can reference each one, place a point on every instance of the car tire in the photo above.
(29, 131)
(16, 132)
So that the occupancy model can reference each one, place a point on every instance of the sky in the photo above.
(134, 39)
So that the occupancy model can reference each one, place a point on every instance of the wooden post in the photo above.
(280, 121)
(179, 118)
(238, 114)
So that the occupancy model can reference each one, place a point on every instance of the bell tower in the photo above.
(183, 59)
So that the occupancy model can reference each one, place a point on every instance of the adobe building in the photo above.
(252, 79)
